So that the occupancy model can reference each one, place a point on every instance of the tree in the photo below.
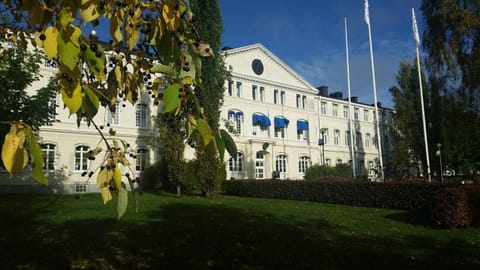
(147, 36)
(409, 146)
(19, 68)
(210, 91)
(452, 42)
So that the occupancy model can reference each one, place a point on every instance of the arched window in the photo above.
(141, 115)
(81, 160)
(235, 117)
(303, 163)
(141, 159)
(48, 152)
(236, 165)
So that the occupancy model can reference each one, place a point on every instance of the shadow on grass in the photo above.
(411, 217)
(189, 236)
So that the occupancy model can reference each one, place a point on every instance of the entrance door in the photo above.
(260, 166)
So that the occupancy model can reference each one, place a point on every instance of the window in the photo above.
(53, 104)
(262, 93)
(335, 110)
(304, 102)
(347, 138)
(336, 136)
(365, 115)
(114, 119)
(236, 119)
(323, 108)
(280, 125)
(368, 139)
(345, 112)
(356, 113)
(298, 100)
(325, 136)
(80, 188)
(328, 162)
(49, 63)
(236, 165)
(303, 163)
(261, 124)
(141, 116)
(275, 96)
(339, 161)
(358, 139)
(254, 92)
(238, 93)
(141, 160)
(359, 168)
(48, 152)
(302, 129)
(282, 97)
(81, 161)
(281, 163)
(230, 88)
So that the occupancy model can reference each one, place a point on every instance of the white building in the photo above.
(278, 117)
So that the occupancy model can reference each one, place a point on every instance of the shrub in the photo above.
(322, 171)
(450, 208)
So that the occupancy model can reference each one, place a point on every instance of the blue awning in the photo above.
(234, 114)
(302, 125)
(281, 122)
(260, 120)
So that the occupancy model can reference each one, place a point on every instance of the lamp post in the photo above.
(439, 155)
(322, 143)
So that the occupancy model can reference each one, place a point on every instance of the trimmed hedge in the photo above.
(448, 203)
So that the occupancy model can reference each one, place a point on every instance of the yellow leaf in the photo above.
(50, 43)
(117, 177)
(134, 35)
(14, 156)
(102, 178)
(115, 29)
(106, 195)
(89, 11)
(74, 100)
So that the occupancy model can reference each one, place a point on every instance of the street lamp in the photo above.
(322, 143)
(439, 155)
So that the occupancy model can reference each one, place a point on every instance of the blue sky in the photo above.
(309, 36)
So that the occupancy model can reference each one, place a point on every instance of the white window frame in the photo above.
(303, 164)
(49, 156)
(141, 115)
(335, 109)
(114, 120)
(81, 163)
(323, 108)
(336, 136)
(237, 165)
(141, 159)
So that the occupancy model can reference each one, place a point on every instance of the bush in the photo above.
(450, 205)
(322, 171)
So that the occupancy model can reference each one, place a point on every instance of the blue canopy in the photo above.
(302, 125)
(260, 120)
(234, 114)
(281, 122)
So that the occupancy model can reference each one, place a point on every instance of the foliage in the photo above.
(147, 37)
(452, 46)
(210, 91)
(448, 204)
(409, 146)
(318, 171)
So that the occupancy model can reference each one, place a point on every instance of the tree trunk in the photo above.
(179, 191)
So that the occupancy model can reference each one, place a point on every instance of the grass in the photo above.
(60, 232)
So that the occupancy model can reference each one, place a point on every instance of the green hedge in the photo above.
(417, 196)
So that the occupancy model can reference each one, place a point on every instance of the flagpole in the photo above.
(379, 143)
(349, 102)
(417, 42)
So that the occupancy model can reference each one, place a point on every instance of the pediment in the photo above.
(258, 63)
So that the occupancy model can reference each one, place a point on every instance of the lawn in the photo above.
(61, 232)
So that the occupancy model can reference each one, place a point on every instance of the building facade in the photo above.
(280, 122)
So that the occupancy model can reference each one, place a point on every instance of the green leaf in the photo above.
(90, 103)
(67, 50)
(74, 99)
(160, 68)
(95, 64)
(122, 201)
(36, 156)
(171, 101)
(229, 143)
(205, 131)
(117, 177)
(220, 146)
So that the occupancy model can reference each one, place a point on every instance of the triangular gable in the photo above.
(274, 70)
